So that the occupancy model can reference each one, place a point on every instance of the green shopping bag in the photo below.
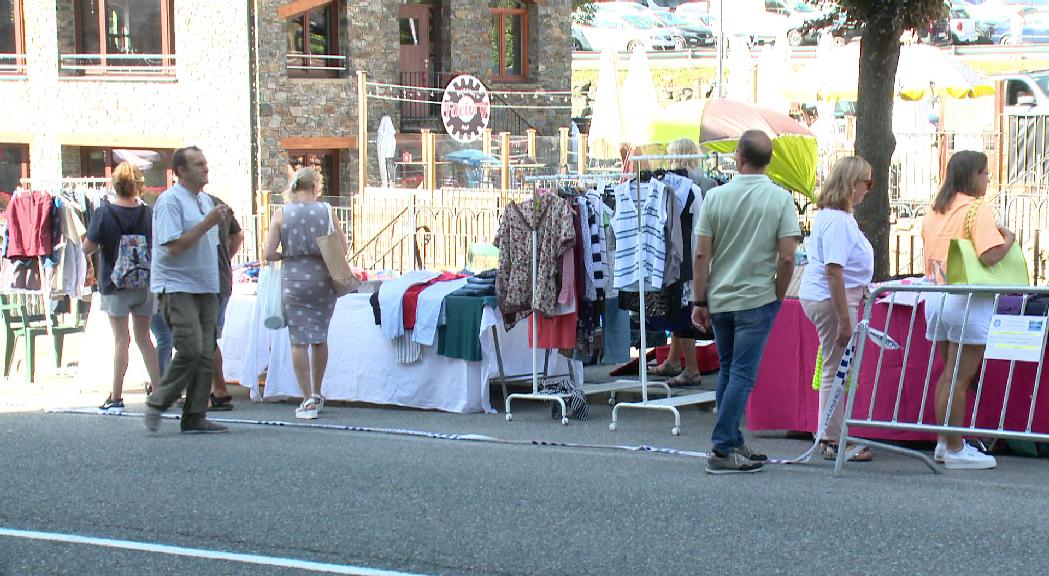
(964, 265)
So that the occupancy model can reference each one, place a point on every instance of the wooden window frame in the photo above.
(499, 25)
(303, 15)
(167, 42)
(331, 185)
(18, 67)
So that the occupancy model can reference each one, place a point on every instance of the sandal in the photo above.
(307, 410)
(320, 402)
(221, 403)
(830, 452)
(666, 369)
(685, 379)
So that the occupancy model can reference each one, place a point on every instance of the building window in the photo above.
(122, 37)
(155, 164)
(313, 43)
(14, 165)
(324, 161)
(509, 41)
(12, 37)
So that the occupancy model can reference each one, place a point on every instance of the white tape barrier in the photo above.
(880, 339)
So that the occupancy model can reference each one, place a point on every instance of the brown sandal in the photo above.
(686, 379)
(666, 369)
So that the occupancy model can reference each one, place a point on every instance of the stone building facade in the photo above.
(298, 114)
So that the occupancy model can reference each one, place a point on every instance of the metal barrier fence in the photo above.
(895, 392)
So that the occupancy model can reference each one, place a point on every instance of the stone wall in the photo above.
(292, 107)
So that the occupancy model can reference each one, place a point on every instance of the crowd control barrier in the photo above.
(892, 389)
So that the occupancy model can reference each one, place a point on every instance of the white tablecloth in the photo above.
(363, 367)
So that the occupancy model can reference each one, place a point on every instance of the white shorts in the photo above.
(947, 324)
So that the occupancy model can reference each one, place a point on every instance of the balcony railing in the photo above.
(330, 64)
(118, 64)
(12, 64)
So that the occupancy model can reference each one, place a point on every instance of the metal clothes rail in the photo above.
(670, 403)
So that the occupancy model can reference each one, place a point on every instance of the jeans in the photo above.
(165, 341)
(740, 337)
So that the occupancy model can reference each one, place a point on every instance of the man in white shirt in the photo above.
(185, 276)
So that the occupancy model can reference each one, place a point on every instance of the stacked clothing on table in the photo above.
(422, 308)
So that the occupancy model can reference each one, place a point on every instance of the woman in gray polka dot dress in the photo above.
(309, 298)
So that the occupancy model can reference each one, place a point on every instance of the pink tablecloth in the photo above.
(783, 398)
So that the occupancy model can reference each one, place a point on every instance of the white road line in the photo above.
(201, 553)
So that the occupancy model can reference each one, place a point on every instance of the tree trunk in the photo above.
(879, 56)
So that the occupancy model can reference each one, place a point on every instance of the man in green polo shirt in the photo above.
(747, 231)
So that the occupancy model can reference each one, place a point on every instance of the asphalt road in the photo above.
(433, 506)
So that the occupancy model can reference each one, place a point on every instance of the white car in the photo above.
(624, 32)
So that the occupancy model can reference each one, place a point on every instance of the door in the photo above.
(415, 49)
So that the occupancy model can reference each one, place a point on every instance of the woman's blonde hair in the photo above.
(128, 181)
(838, 189)
(684, 146)
(303, 179)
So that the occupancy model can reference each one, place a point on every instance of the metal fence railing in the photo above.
(12, 64)
(991, 387)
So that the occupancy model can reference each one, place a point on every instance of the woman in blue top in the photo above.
(124, 216)
(841, 265)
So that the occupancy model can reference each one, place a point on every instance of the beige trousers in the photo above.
(822, 315)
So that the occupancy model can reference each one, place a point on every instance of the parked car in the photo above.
(840, 30)
(624, 32)
(686, 34)
(1035, 30)
(1027, 93)
(958, 28)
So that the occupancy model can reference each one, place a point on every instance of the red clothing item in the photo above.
(29, 225)
(410, 301)
(555, 332)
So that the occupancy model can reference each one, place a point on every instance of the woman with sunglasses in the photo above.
(841, 265)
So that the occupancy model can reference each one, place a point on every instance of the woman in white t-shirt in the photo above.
(841, 265)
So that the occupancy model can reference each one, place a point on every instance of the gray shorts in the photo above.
(138, 302)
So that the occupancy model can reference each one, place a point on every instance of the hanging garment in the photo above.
(649, 239)
(391, 300)
(587, 246)
(598, 245)
(29, 225)
(552, 220)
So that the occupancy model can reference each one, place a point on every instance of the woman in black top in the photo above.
(121, 232)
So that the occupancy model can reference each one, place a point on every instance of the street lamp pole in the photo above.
(721, 49)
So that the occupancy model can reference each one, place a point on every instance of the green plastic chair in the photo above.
(20, 323)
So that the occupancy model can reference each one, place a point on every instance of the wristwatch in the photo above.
(699, 303)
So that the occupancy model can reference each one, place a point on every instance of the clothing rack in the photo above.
(670, 403)
(535, 394)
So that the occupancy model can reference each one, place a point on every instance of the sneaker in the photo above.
(968, 458)
(112, 406)
(746, 452)
(152, 418)
(202, 426)
(220, 403)
(733, 463)
(937, 454)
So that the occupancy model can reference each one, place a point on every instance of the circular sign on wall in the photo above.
(465, 108)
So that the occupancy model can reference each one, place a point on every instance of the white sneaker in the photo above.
(937, 454)
(968, 458)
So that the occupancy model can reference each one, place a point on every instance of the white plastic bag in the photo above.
(269, 298)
